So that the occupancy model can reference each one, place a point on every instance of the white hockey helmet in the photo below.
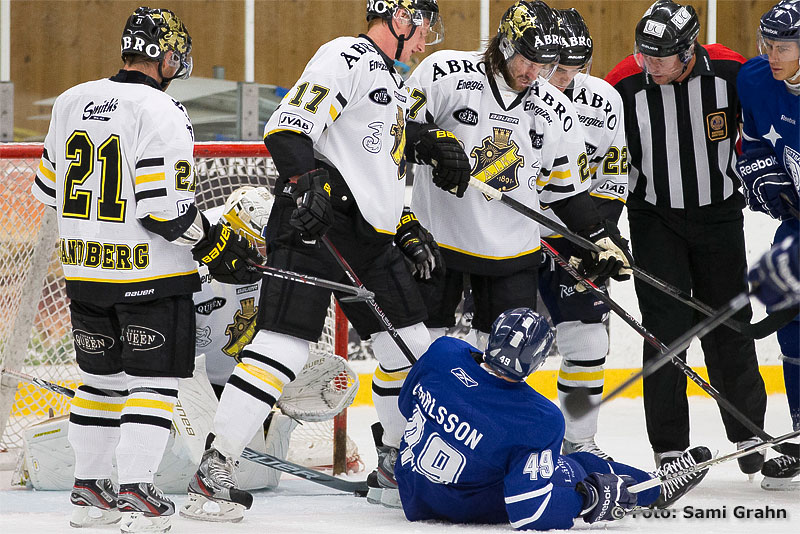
(247, 211)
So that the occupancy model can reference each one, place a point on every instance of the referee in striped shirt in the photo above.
(685, 214)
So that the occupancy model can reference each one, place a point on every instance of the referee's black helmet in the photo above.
(666, 29)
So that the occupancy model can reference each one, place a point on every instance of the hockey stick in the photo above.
(359, 488)
(757, 447)
(358, 293)
(758, 330)
(376, 310)
(658, 345)
(679, 345)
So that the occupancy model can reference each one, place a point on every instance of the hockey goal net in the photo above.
(35, 333)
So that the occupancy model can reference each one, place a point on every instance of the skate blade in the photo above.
(135, 522)
(390, 498)
(202, 508)
(374, 495)
(780, 484)
(92, 516)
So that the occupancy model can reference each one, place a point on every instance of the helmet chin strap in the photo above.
(794, 86)
(401, 39)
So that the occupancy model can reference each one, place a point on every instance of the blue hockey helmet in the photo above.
(518, 344)
(782, 22)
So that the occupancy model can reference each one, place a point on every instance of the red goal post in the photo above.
(35, 332)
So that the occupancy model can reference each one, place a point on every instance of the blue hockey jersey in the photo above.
(770, 115)
(479, 449)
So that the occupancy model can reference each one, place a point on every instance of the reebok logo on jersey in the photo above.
(94, 112)
(91, 342)
(465, 379)
(295, 122)
(788, 119)
(143, 338)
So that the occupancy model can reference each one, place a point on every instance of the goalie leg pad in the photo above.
(583, 348)
(275, 441)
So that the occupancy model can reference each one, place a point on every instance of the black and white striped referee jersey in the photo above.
(682, 136)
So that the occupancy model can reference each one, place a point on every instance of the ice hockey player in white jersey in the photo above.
(117, 167)
(523, 137)
(482, 446)
(582, 338)
(338, 140)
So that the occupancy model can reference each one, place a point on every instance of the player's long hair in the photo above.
(493, 59)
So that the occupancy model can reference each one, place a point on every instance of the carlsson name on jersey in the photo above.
(205, 308)
(94, 112)
(91, 342)
(143, 338)
(449, 421)
(497, 161)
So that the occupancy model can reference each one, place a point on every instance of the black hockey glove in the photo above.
(227, 256)
(314, 213)
(418, 246)
(605, 497)
(441, 149)
(613, 262)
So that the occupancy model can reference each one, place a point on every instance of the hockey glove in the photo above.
(774, 279)
(418, 246)
(605, 497)
(764, 179)
(441, 149)
(227, 256)
(613, 262)
(314, 213)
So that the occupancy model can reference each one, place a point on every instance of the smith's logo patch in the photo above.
(143, 338)
(497, 161)
(465, 379)
(205, 308)
(97, 112)
(716, 126)
(466, 116)
(380, 96)
(295, 122)
(652, 27)
(243, 328)
(91, 342)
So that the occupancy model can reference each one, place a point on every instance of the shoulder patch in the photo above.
(380, 96)
(466, 116)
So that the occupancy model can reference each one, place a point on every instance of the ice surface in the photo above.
(298, 506)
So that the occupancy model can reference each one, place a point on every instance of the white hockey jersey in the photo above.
(353, 106)
(600, 112)
(222, 312)
(114, 153)
(528, 145)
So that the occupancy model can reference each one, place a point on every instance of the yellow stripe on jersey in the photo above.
(607, 197)
(47, 173)
(96, 405)
(582, 377)
(149, 403)
(561, 175)
(489, 257)
(262, 375)
(383, 376)
(127, 280)
(334, 114)
(155, 177)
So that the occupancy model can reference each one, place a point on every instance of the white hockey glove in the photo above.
(614, 261)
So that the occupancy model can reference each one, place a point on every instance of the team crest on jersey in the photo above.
(398, 130)
(791, 161)
(243, 328)
(497, 161)
(716, 126)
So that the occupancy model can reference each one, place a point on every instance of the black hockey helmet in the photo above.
(518, 343)
(667, 29)
(531, 29)
(576, 43)
(417, 10)
(153, 32)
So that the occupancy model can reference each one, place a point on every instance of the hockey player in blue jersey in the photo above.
(769, 89)
(481, 446)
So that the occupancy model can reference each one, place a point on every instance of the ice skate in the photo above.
(672, 462)
(213, 495)
(752, 463)
(374, 490)
(390, 495)
(94, 503)
(589, 445)
(779, 473)
(144, 508)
